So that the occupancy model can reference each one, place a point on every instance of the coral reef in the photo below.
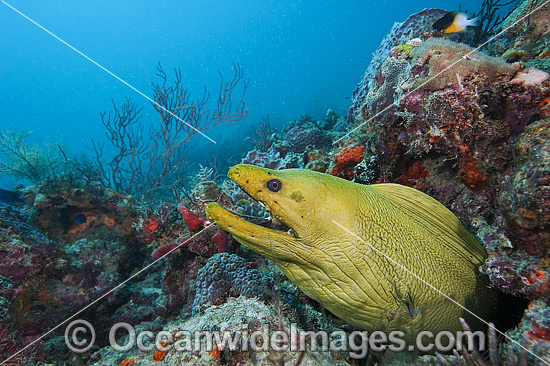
(412, 28)
(68, 213)
(524, 205)
(193, 221)
(239, 317)
(44, 282)
(532, 14)
(143, 162)
(468, 128)
(264, 135)
(386, 88)
(526, 36)
(474, 136)
(173, 226)
(273, 159)
(317, 160)
(452, 118)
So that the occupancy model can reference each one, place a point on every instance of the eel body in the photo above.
(380, 257)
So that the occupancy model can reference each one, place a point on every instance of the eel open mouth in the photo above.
(272, 242)
(278, 225)
(250, 228)
(271, 222)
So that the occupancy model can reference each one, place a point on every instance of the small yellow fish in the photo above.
(454, 22)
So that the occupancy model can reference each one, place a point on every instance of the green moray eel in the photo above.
(380, 257)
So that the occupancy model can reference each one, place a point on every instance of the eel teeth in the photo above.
(276, 222)
(281, 226)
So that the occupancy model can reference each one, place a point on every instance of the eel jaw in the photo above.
(273, 244)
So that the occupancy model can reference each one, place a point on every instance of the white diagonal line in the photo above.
(441, 72)
(435, 289)
(107, 293)
(108, 71)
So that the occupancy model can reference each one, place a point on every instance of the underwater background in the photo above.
(300, 58)
(103, 188)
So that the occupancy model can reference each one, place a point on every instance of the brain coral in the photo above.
(439, 63)
(300, 137)
(228, 274)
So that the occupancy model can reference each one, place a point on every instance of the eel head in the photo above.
(298, 200)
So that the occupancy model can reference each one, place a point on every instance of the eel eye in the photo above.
(274, 185)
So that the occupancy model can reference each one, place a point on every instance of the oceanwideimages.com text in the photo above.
(123, 338)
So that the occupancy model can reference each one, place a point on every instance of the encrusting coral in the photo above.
(439, 63)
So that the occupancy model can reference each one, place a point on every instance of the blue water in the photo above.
(301, 57)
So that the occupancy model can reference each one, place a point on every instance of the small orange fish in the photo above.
(127, 361)
(215, 353)
(544, 106)
(159, 355)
